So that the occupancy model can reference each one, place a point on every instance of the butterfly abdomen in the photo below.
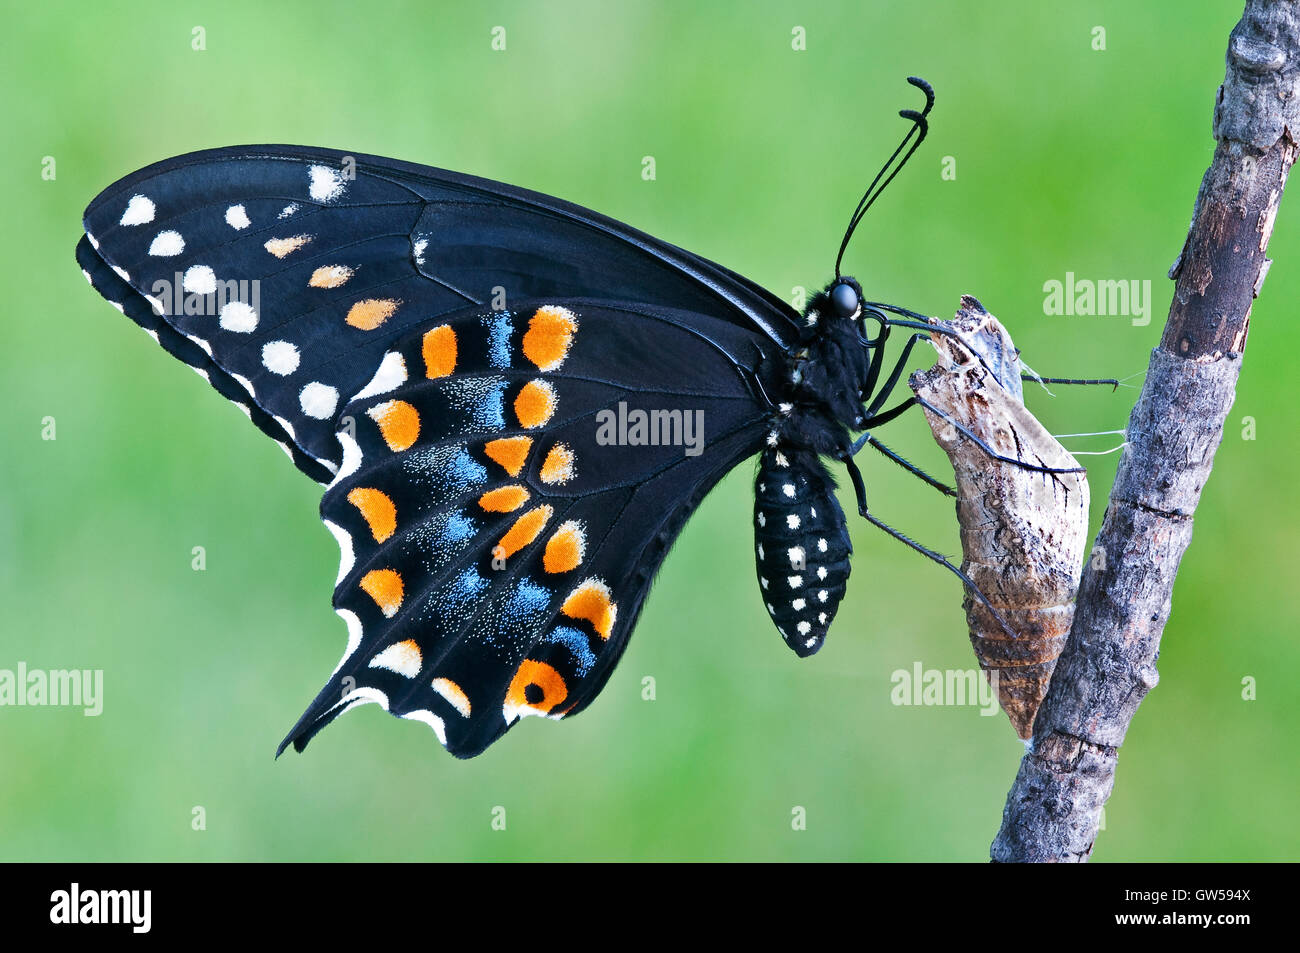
(801, 546)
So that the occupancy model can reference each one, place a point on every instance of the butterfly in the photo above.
(514, 405)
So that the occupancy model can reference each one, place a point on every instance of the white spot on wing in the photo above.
(326, 184)
(167, 244)
(288, 427)
(346, 558)
(351, 456)
(318, 400)
(199, 280)
(280, 357)
(391, 374)
(139, 211)
(201, 343)
(445, 690)
(402, 657)
(432, 720)
(238, 317)
(354, 636)
(237, 217)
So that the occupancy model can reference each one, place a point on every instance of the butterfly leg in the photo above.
(1114, 384)
(892, 381)
(907, 465)
(894, 412)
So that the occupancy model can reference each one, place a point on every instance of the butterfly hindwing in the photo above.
(500, 514)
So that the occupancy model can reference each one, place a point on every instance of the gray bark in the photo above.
(1109, 663)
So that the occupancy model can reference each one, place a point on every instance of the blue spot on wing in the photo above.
(479, 401)
(577, 644)
(499, 328)
(459, 528)
(526, 603)
(445, 471)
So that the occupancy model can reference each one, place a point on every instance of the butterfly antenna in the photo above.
(919, 125)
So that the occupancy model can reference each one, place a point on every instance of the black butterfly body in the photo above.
(514, 403)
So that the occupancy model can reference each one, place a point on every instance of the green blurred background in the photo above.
(1067, 159)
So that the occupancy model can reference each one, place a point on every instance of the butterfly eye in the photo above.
(844, 299)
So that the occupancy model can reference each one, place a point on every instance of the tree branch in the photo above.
(1109, 663)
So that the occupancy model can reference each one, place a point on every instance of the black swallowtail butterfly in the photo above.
(504, 478)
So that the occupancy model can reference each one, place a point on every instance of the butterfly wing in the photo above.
(284, 273)
(511, 482)
(305, 286)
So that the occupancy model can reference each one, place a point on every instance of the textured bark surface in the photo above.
(1022, 532)
(1109, 663)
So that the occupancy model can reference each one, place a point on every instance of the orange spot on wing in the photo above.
(378, 510)
(504, 499)
(453, 694)
(526, 529)
(549, 335)
(510, 452)
(371, 313)
(398, 422)
(535, 404)
(385, 587)
(548, 690)
(591, 601)
(558, 467)
(330, 276)
(440, 351)
(565, 550)
(279, 247)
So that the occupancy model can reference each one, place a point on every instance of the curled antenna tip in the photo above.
(924, 87)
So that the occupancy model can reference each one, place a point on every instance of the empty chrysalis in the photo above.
(1022, 529)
